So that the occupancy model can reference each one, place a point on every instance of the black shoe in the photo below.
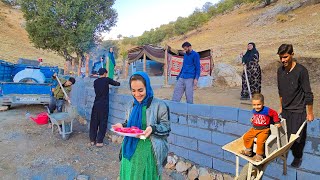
(244, 98)
(296, 163)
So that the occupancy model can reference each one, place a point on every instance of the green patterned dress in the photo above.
(143, 165)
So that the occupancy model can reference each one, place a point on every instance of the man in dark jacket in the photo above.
(100, 109)
(188, 76)
(296, 98)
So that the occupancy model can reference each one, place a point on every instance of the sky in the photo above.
(137, 16)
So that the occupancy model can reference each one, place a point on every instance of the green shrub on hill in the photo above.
(185, 24)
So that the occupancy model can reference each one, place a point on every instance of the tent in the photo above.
(171, 59)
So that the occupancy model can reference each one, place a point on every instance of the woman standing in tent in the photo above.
(251, 61)
(112, 63)
(144, 159)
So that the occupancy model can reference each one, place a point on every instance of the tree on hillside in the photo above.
(119, 36)
(181, 26)
(206, 6)
(69, 28)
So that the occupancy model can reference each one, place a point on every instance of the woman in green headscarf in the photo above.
(112, 63)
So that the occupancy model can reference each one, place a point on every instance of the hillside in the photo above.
(227, 35)
(15, 42)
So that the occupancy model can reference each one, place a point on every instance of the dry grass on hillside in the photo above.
(15, 42)
(228, 34)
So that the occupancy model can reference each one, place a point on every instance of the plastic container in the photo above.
(41, 118)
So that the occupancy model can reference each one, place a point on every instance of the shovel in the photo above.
(248, 85)
(64, 92)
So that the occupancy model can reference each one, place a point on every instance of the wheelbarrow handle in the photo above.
(301, 127)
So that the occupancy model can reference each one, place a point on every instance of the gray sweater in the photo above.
(157, 115)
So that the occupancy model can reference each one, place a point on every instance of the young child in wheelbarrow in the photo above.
(261, 120)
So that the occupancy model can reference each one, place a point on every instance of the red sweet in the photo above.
(132, 130)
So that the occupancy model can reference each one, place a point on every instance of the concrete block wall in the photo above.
(199, 132)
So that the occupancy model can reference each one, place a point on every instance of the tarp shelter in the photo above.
(170, 57)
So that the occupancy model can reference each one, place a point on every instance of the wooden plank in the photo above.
(144, 63)
(165, 67)
(87, 65)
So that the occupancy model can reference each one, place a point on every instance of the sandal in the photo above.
(99, 145)
(246, 153)
(257, 158)
(92, 143)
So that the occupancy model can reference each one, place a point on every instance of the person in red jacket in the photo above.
(261, 120)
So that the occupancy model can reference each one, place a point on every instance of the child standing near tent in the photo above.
(262, 116)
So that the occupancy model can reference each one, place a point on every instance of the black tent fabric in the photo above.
(157, 53)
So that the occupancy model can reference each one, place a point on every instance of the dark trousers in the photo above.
(56, 104)
(98, 124)
(294, 121)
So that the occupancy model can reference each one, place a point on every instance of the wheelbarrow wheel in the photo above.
(66, 137)
(244, 172)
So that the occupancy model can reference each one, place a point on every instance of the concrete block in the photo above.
(179, 151)
(201, 134)
(201, 110)
(244, 116)
(115, 120)
(275, 170)
(307, 175)
(210, 149)
(216, 125)
(235, 128)
(125, 98)
(268, 178)
(185, 142)
(313, 128)
(171, 138)
(223, 166)
(312, 146)
(174, 118)
(117, 113)
(201, 159)
(311, 162)
(183, 119)
(199, 122)
(117, 106)
(177, 107)
(232, 158)
(179, 129)
(222, 139)
(224, 113)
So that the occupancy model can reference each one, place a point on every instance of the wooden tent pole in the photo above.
(87, 65)
(127, 69)
(73, 64)
(65, 68)
(165, 67)
(144, 62)
(79, 66)
(211, 62)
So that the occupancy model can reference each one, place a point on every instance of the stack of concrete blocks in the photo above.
(199, 132)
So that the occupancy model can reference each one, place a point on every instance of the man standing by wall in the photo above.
(296, 98)
(188, 76)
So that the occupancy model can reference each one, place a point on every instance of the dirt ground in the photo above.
(224, 96)
(30, 151)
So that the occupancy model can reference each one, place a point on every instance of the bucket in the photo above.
(41, 118)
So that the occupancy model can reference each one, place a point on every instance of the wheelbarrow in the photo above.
(63, 121)
(276, 146)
